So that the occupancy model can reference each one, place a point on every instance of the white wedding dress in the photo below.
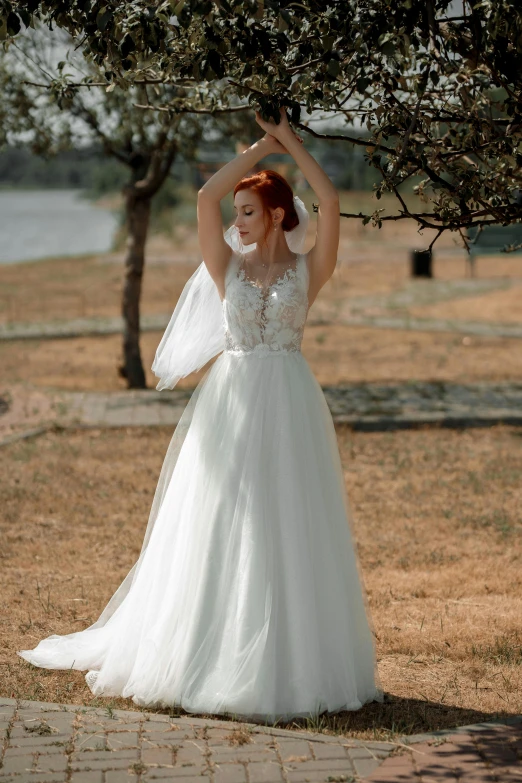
(247, 597)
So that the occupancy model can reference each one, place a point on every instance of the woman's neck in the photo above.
(275, 251)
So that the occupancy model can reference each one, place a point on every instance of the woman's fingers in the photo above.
(274, 130)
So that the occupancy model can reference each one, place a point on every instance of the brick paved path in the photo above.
(478, 754)
(51, 743)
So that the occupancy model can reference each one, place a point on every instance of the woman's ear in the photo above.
(278, 215)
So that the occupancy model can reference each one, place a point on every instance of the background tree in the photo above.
(438, 90)
(48, 120)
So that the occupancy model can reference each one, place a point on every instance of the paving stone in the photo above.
(244, 753)
(36, 707)
(218, 736)
(87, 742)
(123, 739)
(158, 773)
(182, 773)
(166, 737)
(24, 751)
(120, 776)
(87, 777)
(500, 755)
(329, 751)
(230, 773)
(322, 776)
(404, 775)
(264, 772)
(17, 764)
(108, 756)
(157, 756)
(53, 718)
(294, 748)
(262, 739)
(28, 740)
(342, 765)
(122, 725)
(365, 766)
(35, 777)
(52, 763)
(362, 753)
(88, 764)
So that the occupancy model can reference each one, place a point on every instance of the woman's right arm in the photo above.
(215, 251)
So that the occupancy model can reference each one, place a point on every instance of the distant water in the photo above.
(40, 223)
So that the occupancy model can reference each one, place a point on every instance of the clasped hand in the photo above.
(276, 135)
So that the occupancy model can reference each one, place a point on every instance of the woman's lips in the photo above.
(243, 233)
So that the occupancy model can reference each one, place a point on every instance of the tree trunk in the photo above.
(138, 213)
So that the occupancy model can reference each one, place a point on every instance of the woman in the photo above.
(246, 598)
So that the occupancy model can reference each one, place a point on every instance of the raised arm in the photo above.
(323, 255)
(215, 251)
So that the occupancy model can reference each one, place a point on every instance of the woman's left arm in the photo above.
(323, 255)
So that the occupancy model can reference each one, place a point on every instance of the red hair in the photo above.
(274, 191)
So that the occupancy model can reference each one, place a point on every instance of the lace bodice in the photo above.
(265, 319)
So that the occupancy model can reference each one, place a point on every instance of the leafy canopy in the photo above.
(432, 93)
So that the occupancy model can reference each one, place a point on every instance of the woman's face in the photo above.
(250, 217)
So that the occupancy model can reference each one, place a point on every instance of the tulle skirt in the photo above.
(247, 598)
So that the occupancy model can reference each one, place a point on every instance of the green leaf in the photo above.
(328, 42)
(333, 67)
(102, 19)
(127, 46)
(388, 48)
(214, 60)
(13, 23)
(282, 24)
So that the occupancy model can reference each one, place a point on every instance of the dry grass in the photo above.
(498, 306)
(438, 526)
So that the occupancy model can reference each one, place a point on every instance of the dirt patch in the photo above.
(438, 528)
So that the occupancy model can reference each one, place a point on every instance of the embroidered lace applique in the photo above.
(263, 320)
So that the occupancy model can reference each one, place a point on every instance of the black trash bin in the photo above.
(421, 263)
